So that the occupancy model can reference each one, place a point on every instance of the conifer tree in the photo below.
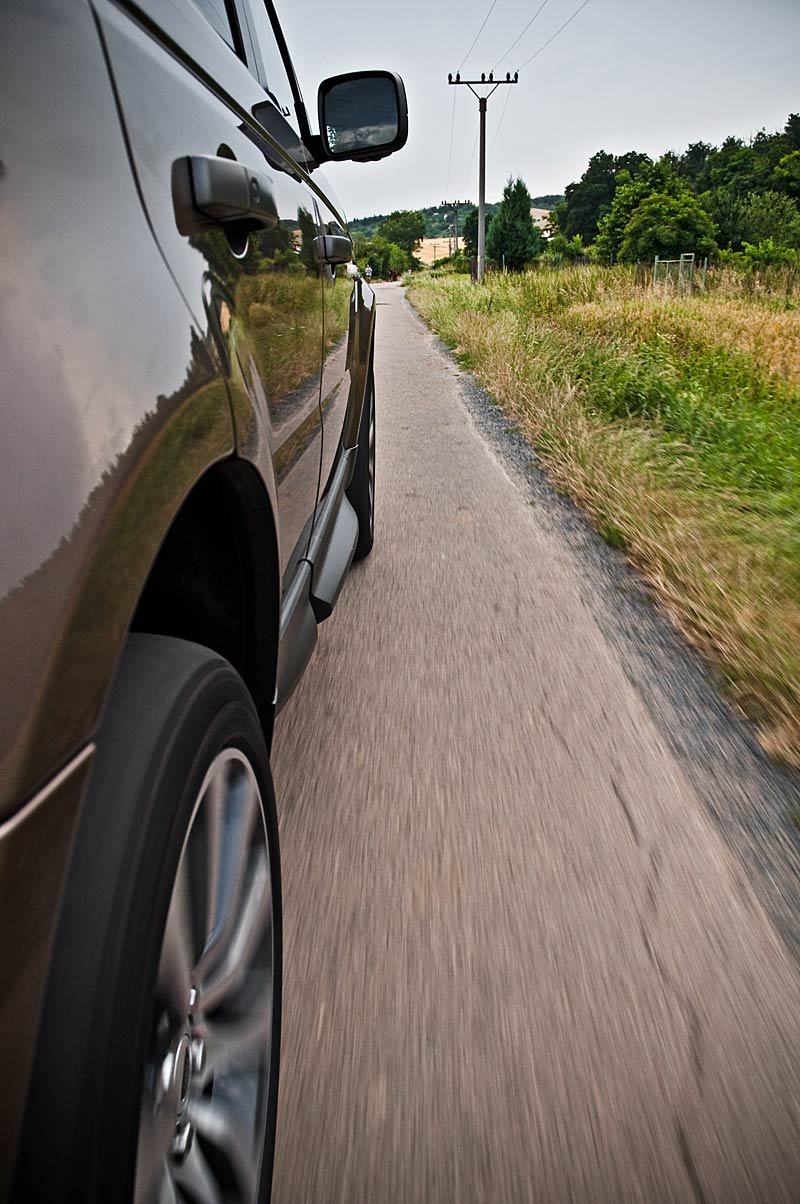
(512, 238)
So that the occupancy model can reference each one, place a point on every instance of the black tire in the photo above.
(181, 783)
(361, 491)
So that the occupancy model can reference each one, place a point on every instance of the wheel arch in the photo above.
(216, 578)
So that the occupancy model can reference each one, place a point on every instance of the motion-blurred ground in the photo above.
(522, 963)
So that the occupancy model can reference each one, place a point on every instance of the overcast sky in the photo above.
(648, 75)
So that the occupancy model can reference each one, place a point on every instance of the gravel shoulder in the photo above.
(754, 800)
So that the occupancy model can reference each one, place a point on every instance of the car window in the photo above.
(217, 15)
(269, 66)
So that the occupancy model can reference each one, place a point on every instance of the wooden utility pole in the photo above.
(493, 85)
(454, 205)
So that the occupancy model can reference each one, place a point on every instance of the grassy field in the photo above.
(675, 422)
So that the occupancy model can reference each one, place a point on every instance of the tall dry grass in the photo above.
(674, 422)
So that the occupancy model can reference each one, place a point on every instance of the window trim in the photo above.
(312, 142)
(238, 47)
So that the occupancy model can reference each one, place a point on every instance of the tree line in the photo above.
(512, 238)
(737, 198)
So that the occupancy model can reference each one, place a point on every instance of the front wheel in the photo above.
(157, 1072)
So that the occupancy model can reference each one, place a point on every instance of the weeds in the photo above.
(674, 421)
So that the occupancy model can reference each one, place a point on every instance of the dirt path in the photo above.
(522, 962)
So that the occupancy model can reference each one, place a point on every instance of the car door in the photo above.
(195, 114)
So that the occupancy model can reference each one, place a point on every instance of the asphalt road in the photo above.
(523, 960)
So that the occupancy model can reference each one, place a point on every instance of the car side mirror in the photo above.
(363, 115)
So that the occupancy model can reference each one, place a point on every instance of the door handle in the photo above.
(210, 191)
(333, 248)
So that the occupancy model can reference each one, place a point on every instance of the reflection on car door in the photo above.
(339, 299)
(185, 92)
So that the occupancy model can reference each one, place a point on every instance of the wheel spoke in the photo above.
(238, 1044)
(215, 801)
(232, 815)
(254, 916)
(177, 953)
(151, 1162)
(219, 1125)
(166, 1189)
(196, 1179)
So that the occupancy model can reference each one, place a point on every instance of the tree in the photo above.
(631, 191)
(667, 225)
(470, 233)
(787, 174)
(768, 254)
(383, 256)
(771, 215)
(692, 165)
(585, 202)
(512, 237)
(791, 131)
(726, 211)
(405, 228)
(561, 249)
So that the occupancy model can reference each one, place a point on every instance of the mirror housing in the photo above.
(363, 115)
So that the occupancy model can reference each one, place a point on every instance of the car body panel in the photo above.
(112, 407)
(34, 854)
(264, 304)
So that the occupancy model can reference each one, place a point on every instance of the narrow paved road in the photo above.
(522, 962)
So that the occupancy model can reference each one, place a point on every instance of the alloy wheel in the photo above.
(206, 1082)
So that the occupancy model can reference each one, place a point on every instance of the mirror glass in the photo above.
(360, 114)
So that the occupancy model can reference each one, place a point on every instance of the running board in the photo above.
(318, 578)
(331, 568)
(334, 539)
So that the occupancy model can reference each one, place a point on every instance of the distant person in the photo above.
(368, 271)
(394, 275)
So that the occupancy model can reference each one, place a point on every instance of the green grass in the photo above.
(674, 421)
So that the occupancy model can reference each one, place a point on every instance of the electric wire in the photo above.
(471, 161)
(473, 44)
(500, 122)
(521, 36)
(478, 34)
(560, 29)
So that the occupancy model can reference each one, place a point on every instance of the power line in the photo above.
(560, 29)
(500, 122)
(484, 23)
(521, 36)
(478, 34)
(471, 161)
